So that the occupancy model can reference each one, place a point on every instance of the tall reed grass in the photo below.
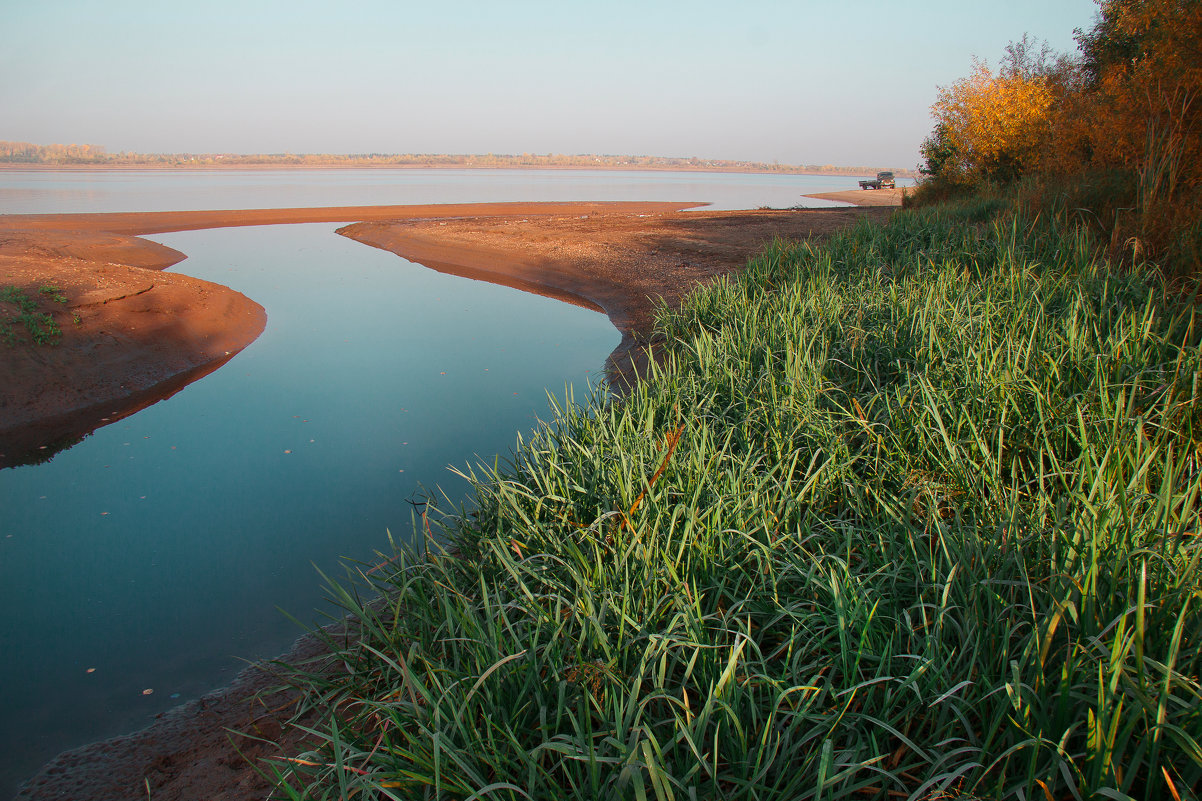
(913, 513)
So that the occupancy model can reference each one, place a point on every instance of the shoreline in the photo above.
(134, 223)
(620, 265)
(867, 197)
(615, 261)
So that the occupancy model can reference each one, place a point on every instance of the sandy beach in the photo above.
(867, 197)
(618, 258)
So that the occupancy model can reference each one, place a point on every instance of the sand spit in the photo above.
(867, 197)
(618, 263)
(130, 335)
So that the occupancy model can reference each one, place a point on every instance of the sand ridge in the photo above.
(622, 264)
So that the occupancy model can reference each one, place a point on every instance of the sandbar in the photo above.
(867, 197)
(621, 264)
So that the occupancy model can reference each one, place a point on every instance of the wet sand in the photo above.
(608, 256)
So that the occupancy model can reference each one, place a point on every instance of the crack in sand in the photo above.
(84, 301)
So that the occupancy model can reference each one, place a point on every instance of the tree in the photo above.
(937, 152)
(989, 127)
(1143, 70)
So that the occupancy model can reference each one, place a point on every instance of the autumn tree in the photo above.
(989, 127)
(1139, 119)
(1112, 137)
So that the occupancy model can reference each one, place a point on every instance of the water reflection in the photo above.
(39, 442)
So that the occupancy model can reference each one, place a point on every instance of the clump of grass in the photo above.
(53, 293)
(911, 514)
(39, 325)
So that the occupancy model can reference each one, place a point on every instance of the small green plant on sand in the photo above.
(53, 292)
(40, 326)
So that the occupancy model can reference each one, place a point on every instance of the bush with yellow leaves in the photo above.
(990, 127)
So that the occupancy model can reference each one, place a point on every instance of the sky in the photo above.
(844, 82)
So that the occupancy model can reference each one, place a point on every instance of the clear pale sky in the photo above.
(846, 82)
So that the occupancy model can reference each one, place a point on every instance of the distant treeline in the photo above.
(95, 155)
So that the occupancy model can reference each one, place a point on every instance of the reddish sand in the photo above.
(154, 222)
(867, 197)
(608, 256)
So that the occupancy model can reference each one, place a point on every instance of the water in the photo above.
(157, 554)
(51, 191)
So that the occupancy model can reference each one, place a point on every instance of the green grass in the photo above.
(39, 325)
(910, 514)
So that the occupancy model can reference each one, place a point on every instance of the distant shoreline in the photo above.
(16, 167)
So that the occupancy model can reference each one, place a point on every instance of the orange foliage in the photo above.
(1141, 117)
(1147, 105)
(1113, 138)
(996, 125)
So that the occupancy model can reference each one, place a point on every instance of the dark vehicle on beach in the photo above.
(883, 180)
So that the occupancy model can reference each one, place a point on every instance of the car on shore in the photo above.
(883, 180)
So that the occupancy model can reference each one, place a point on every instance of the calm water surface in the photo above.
(31, 191)
(157, 554)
